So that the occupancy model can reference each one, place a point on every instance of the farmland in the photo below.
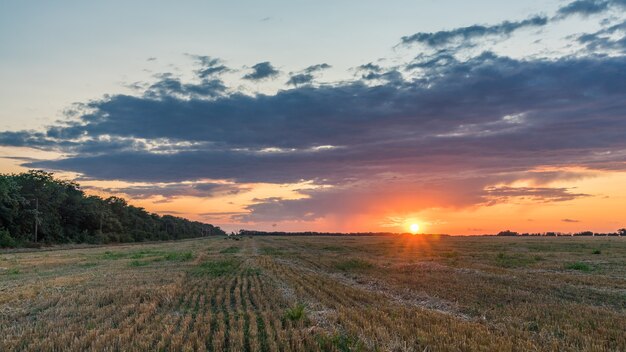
(404, 293)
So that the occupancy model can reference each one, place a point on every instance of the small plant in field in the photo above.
(113, 255)
(339, 342)
(13, 271)
(137, 263)
(271, 251)
(215, 268)
(597, 251)
(230, 250)
(515, 261)
(580, 266)
(333, 248)
(296, 312)
(353, 264)
(178, 256)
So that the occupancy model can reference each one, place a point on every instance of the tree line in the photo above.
(36, 207)
(620, 232)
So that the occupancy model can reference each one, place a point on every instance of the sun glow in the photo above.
(414, 228)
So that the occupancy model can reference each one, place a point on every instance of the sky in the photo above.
(463, 117)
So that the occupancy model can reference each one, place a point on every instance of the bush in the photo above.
(579, 266)
(6, 241)
(296, 312)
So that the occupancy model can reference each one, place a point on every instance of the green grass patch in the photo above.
(333, 248)
(339, 342)
(12, 271)
(580, 266)
(296, 312)
(215, 268)
(252, 271)
(178, 256)
(353, 264)
(271, 251)
(597, 251)
(138, 263)
(108, 255)
(230, 250)
(505, 260)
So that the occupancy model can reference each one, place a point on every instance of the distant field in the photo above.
(320, 293)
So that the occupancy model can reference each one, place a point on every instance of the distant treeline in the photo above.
(311, 233)
(620, 232)
(37, 208)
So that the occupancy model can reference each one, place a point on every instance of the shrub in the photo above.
(6, 240)
(580, 266)
(296, 312)
(597, 251)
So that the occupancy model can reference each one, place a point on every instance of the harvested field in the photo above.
(405, 293)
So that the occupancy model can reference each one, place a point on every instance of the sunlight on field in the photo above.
(402, 293)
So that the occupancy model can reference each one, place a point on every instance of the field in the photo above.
(406, 293)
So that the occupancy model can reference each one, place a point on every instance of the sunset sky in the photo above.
(465, 117)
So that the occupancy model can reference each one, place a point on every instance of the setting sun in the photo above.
(414, 228)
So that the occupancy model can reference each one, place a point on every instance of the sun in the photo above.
(415, 228)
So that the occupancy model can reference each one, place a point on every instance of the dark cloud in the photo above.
(467, 34)
(174, 190)
(537, 194)
(485, 113)
(439, 131)
(261, 71)
(306, 76)
(316, 68)
(300, 79)
(570, 220)
(170, 86)
(610, 39)
(589, 7)
(397, 197)
(209, 66)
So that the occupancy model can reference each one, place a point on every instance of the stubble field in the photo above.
(405, 293)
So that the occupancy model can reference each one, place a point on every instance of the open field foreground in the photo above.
(319, 293)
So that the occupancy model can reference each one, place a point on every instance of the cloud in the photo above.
(443, 130)
(570, 220)
(261, 71)
(470, 33)
(209, 66)
(589, 7)
(610, 39)
(174, 190)
(316, 68)
(306, 76)
(536, 194)
(477, 114)
(300, 79)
